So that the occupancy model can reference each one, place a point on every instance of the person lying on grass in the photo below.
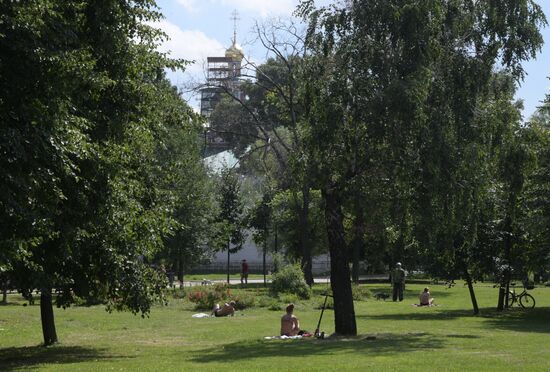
(226, 310)
(425, 299)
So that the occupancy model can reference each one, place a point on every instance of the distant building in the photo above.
(223, 77)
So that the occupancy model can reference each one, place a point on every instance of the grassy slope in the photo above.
(446, 337)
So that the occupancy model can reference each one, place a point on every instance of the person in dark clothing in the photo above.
(398, 281)
(244, 272)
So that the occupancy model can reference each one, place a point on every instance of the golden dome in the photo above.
(235, 52)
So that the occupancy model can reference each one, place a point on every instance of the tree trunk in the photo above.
(179, 264)
(505, 281)
(471, 290)
(276, 248)
(358, 231)
(263, 257)
(46, 314)
(344, 312)
(228, 257)
(303, 213)
(501, 295)
(5, 291)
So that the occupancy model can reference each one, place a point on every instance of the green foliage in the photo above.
(396, 100)
(230, 219)
(287, 206)
(259, 219)
(178, 293)
(275, 306)
(329, 305)
(244, 300)
(206, 297)
(269, 302)
(290, 279)
(288, 298)
(537, 194)
(360, 292)
(278, 261)
(87, 118)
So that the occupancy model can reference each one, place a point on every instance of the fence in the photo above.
(318, 268)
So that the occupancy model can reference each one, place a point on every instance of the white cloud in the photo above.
(191, 45)
(263, 7)
(188, 44)
(189, 5)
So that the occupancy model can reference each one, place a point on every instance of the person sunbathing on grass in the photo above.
(425, 299)
(290, 325)
(226, 310)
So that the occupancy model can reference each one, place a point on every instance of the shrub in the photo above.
(275, 306)
(206, 297)
(244, 301)
(178, 293)
(278, 262)
(266, 301)
(360, 293)
(329, 305)
(288, 298)
(290, 279)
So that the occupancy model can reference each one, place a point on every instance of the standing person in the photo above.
(398, 282)
(290, 325)
(244, 272)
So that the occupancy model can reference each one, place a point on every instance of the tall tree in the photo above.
(192, 188)
(537, 193)
(260, 219)
(83, 107)
(231, 217)
(372, 86)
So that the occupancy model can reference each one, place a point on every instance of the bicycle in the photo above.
(524, 299)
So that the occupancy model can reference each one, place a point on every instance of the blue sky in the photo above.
(202, 28)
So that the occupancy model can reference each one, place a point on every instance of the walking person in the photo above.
(244, 272)
(398, 281)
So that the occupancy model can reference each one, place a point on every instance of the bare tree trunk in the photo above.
(46, 314)
(228, 257)
(5, 291)
(468, 278)
(344, 312)
(501, 296)
(179, 268)
(505, 280)
(305, 243)
(263, 257)
(358, 231)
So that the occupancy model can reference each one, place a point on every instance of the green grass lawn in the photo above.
(446, 337)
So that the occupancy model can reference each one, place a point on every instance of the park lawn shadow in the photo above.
(422, 313)
(389, 343)
(9, 303)
(12, 358)
(409, 293)
(514, 319)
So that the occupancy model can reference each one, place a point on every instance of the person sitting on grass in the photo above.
(226, 310)
(425, 299)
(290, 325)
